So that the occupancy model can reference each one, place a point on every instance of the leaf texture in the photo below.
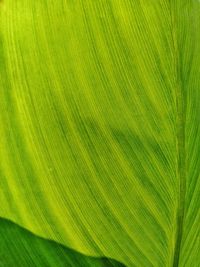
(19, 247)
(99, 126)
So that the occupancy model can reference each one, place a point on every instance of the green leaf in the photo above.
(19, 247)
(99, 126)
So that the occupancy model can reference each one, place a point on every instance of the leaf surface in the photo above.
(99, 126)
(19, 247)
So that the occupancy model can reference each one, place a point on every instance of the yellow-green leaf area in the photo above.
(99, 126)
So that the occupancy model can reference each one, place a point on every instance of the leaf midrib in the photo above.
(180, 141)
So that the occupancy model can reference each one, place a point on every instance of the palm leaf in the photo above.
(99, 127)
